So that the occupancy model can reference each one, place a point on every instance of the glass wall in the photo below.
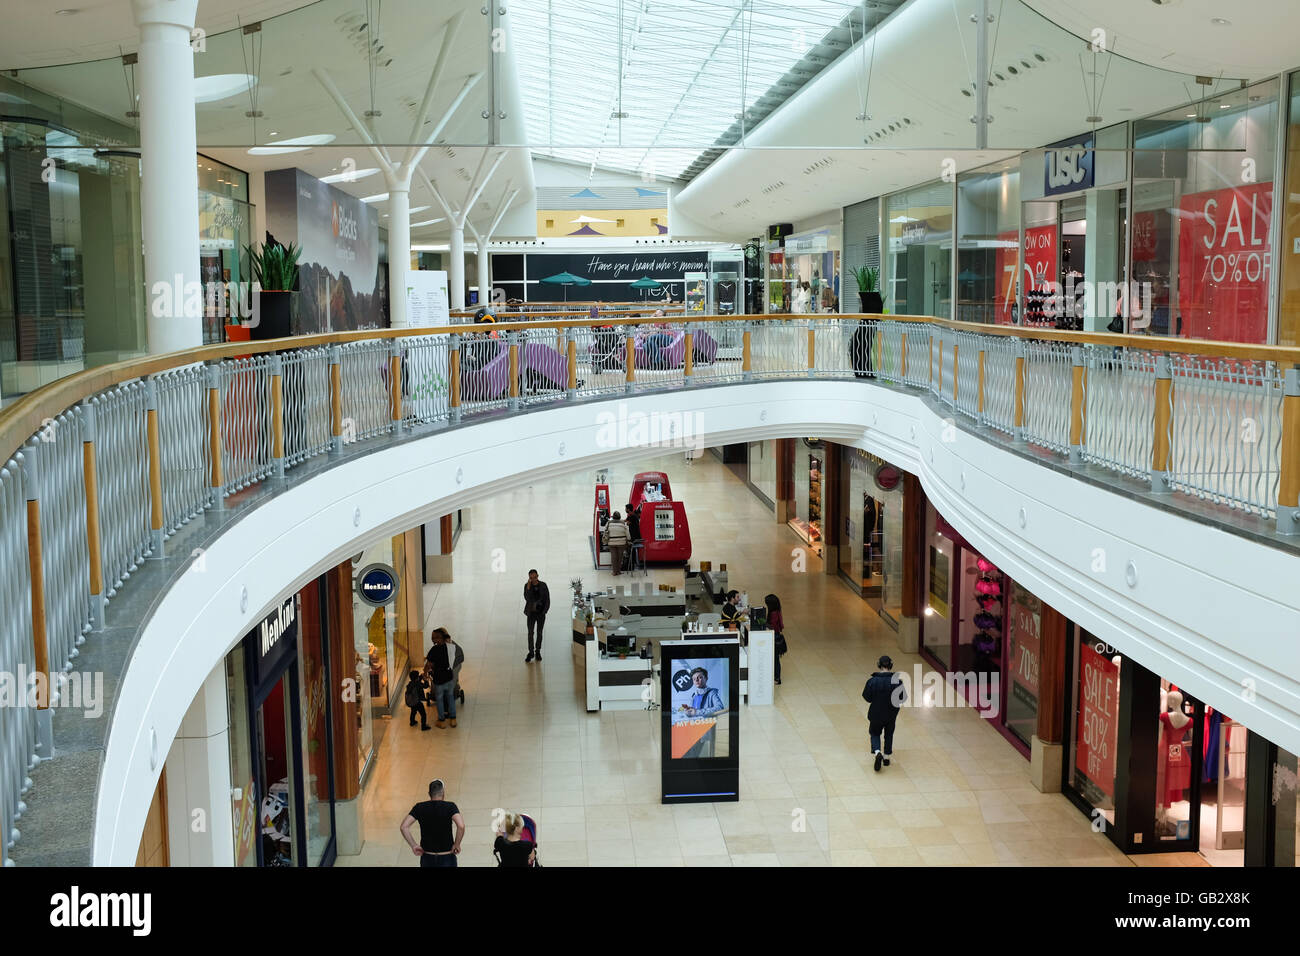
(812, 271)
(940, 591)
(71, 266)
(1288, 318)
(1203, 198)
(988, 234)
(225, 228)
(1024, 652)
(918, 253)
(762, 469)
(872, 555)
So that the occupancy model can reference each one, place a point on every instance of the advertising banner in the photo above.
(1024, 636)
(1224, 263)
(339, 279)
(1098, 723)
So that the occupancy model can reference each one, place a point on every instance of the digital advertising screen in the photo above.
(700, 711)
(700, 720)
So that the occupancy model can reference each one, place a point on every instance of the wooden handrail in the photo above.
(24, 418)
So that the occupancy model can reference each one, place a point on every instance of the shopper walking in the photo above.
(884, 694)
(416, 689)
(618, 538)
(437, 817)
(776, 624)
(537, 601)
(444, 678)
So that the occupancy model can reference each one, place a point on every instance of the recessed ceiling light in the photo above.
(349, 177)
(1191, 116)
(66, 12)
(1220, 22)
(1224, 106)
(297, 144)
(220, 86)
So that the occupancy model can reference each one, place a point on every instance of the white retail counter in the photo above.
(632, 683)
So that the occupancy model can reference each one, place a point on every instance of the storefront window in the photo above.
(872, 555)
(1288, 313)
(940, 591)
(313, 683)
(243, 806)
(762, 468)
(808, 488)
(1203, 201)
(1094, 730)
(225, 228)
(1174, 792)
(988, 234)
(1024, 653)
(918, 261)
(813, 272)
(778, 281)
(1286, 809)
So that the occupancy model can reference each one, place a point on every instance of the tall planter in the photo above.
(275, 316)
(871, 303)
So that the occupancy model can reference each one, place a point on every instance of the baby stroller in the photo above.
(530, 834)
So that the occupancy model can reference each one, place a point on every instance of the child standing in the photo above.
(416, 689)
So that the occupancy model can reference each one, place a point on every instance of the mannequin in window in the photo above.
(1173, 761)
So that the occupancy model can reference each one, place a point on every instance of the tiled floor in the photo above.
(956, 794)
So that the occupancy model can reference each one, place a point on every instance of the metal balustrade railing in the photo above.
(117, 426)
(1047, 399)
(111, 474)
(305, 384)
(18, 753)
(1119, 409)
(1225, 431)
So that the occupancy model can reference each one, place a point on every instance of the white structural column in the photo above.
(398, 172)
(484, 273)
(399, 250)
(456, 265)
(200, 827)
(169, 179)
(459, 219)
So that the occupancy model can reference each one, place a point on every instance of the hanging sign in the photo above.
(377, 585)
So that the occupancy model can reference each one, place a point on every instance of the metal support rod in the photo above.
(982, 78)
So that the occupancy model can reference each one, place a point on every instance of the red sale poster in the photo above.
(1224, 263)
(1035, 269)
(1007, 264)
(1098, 720)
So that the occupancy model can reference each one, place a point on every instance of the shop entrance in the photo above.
(276, 739)
(984, 631)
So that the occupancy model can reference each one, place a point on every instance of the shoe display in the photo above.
(879, 759)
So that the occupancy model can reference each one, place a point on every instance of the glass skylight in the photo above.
(688, 68)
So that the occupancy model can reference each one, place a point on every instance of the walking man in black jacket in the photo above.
(884, 694)
(537, 601)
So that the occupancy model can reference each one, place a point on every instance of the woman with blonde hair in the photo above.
(516, 843)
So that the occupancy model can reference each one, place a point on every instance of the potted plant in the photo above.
(869, 298)
(275, 270)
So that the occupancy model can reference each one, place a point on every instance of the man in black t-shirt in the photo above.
(436, 817)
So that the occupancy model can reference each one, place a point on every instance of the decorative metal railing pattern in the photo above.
(1048, 369)
(1225, 431)
(122, 468)
(116, 470)
(186, 462)
(245, 421)
(17, 656)
(306, 383)
(1119, 409)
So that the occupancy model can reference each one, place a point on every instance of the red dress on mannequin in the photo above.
(1177, 761)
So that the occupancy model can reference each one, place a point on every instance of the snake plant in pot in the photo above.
(275, 270)
(869, 297)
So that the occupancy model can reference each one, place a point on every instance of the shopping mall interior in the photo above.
(650, 433)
